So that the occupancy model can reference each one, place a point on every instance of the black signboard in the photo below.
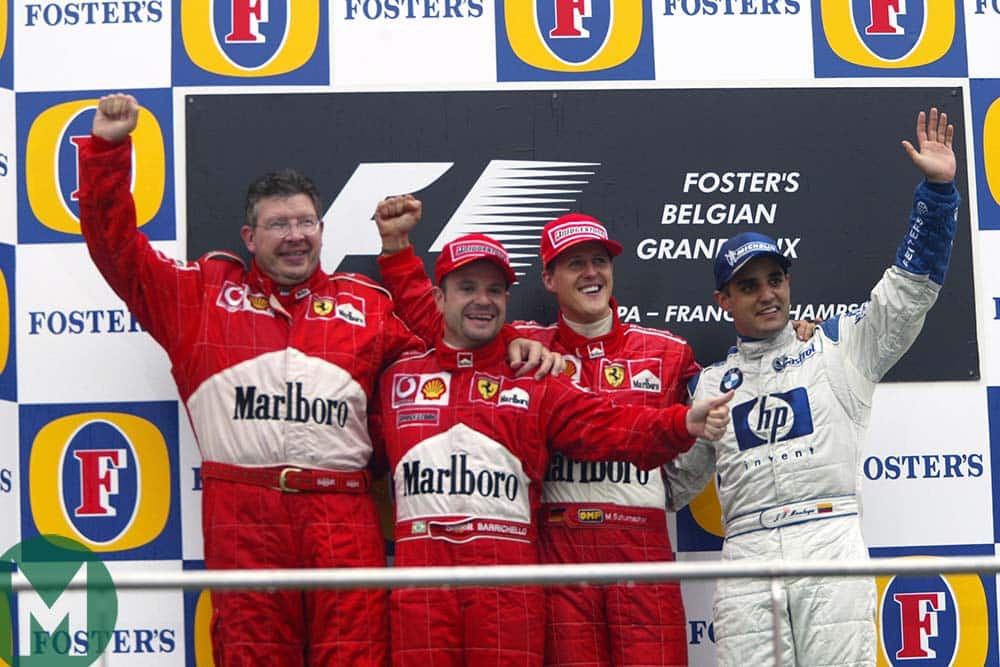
(672, 174)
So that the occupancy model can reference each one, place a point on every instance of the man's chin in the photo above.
(482, 336)
(771, 328)
(296, 274)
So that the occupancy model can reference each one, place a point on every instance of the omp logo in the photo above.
(511, 201)
(50, 200)
(933, 621)
(276, 41)
(102, 476)
(564, 39)
(8, 376)
(889, 35)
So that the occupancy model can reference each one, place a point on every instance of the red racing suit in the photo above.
(270, 378)
(467, 447)
(595, 625)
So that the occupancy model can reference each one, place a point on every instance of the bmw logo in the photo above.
(731, 380)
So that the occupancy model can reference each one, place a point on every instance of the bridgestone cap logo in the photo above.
(465, 249)
(560, 234)
(734, 256)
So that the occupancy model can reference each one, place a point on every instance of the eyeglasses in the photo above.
(282, 227)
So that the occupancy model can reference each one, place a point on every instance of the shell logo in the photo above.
(433, 389)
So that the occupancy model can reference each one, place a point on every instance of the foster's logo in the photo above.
(699, 524)
(51, 129)
(251, 41)
(4, 19)
(986, 115)
(933, 621)
(573, 39)
(198, 623)
(102, 475)
(6, 57)
(888, 37)
(8, 377)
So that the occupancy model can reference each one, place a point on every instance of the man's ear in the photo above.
(438, 294)
(247, 234)
(548, 281)
(722, 298)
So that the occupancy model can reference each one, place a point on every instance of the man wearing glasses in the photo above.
(275, 365)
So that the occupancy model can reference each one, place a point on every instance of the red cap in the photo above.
(573, 228)
(470, 248)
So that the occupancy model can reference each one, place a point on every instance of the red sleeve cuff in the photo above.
(685, 440)
(397, 259)
(508, 334)
(102, 145)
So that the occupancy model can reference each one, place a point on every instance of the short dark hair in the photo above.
(284, 183)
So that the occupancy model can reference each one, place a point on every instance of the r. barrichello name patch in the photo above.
(426, 417)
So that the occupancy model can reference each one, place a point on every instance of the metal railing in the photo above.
(501, 575)
(510, 575)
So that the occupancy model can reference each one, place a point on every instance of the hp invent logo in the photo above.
(772, 418)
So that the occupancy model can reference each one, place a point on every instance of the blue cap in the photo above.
(737, 251)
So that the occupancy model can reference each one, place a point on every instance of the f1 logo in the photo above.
(98, 480)
(884, 17)
(918, 614)
(246, 19)
(569, 18)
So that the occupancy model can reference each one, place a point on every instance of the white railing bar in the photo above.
(498, 575)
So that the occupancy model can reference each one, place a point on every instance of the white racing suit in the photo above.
(789, 464)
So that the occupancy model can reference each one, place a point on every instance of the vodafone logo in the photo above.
(405, 386)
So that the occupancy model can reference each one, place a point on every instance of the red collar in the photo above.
(593, 348)
(287, 296)
(486, 356)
